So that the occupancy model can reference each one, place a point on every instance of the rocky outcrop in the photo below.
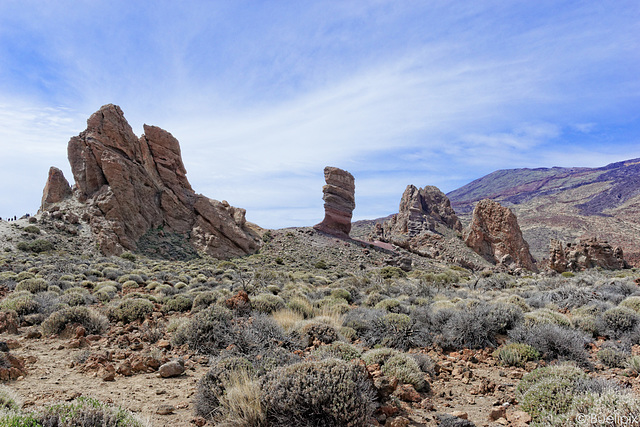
(427, 225)
(131, 185)
(422, 211)
(56, 189)
(339, 202)
(495, 235)
(584, 254)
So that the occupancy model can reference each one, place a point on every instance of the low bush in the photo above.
(267, 303)
(312, 332)
(32, 285)
(209, 331)
(180, 303)
(130, 309)
(86, 411)
(36, 246)
(337, 350)
(516, 354)
(617, 322)
(548, 392)
(92, 321)
(22, 303)
(329, 392)
(214, 383)
(554, 342)
(613, 356)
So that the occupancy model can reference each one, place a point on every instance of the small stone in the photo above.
(165, 410)
(164, 344)
(171, 369)
(199, 421)
(499, 412)
(109, 376)
(407, 393)
(399, 422)
(460, 414)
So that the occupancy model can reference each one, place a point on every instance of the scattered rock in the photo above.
(407, 393)
(339, 202)
(495, 235)
(8, 322)
(165, 410)
(171, 369)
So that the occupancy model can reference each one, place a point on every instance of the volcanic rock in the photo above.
(495, 235)
(421, 211)
(339, 202)
(584, 254)
(56, 189)
(130, 186)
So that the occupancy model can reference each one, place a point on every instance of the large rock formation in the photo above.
(339, 202)
(584, 254)
(427, 225)
(422, 210)
(131, 185)
(495, 235)
(56, 189)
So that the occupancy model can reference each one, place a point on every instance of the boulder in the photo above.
(129, 186)
(584, 254)
(495, 235)
(56, 189)
(339, 202)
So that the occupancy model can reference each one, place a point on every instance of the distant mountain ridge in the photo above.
(565, 203)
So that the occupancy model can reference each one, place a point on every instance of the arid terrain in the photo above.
(131, 300)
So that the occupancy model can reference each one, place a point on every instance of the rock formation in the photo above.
(495, 235)
(339, 202)
(584, 254)
(56, 189)
(422, 210)
(129, 186)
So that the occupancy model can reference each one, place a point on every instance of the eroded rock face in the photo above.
(56, 189)
(422, 210)
(584, 254)
(339, 202)
(131, 185)
(495, 235)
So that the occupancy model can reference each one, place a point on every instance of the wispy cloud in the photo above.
(263, 95)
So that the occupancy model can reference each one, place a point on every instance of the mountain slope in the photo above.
(565, 203)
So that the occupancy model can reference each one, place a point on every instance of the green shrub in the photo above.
(209, 331)
(392, 272)
(632, 302)
(128, 256)
(611, 404)
(554, 342)
(544, 316)
(329, 392)
(31, 229)
(179, 303)
(618, 321)
(322, 265)
(32, 285)
(392, 305)
(267, 303)
(516, 354)
(92, 321)
(548, 391)
(338, 350)
(341, 293)
(86, 411)
(105, 293)
(37, 246)
(131, 309)
(613, 357)
(406, 369)
(20, 302)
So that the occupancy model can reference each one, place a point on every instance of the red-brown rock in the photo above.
(56, 189)
(339, 202)
(132, 185)
(584, 254)
(495, 235)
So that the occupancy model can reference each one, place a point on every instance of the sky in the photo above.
(262, 95)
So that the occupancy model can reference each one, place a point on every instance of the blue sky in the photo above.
(263, 94)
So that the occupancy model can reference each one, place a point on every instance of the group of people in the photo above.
(15, 218)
